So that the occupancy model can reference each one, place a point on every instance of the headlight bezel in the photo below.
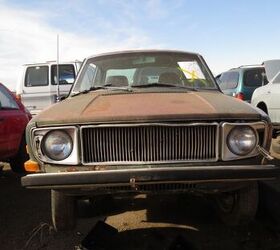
(227, 127)
(37, 139)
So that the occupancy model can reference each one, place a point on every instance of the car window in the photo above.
(66, 74)
(37, 76)
(229, 80)
(255, 77)
(276, 79)
(88, 76)
(7, 102)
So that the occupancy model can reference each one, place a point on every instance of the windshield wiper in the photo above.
(163, 85)
(100, 87)
(88, 90)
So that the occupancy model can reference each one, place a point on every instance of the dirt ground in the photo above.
(157, 222)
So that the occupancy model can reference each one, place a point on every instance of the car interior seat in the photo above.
(169, 77)
(117, 81)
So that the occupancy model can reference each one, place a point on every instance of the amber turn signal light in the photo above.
(31, 166)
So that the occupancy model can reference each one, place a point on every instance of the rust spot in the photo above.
(71, 169)
(98, 168)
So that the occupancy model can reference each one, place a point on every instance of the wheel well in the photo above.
(263, 107)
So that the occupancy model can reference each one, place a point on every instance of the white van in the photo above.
(37, 87)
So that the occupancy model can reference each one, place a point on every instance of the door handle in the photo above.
(2, 119)
(268, 92)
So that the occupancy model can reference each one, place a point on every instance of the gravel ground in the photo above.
(155, 222)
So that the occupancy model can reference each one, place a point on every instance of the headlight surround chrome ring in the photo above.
(242, 140)
(57, 145)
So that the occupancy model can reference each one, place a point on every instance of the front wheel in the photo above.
(63, 211)
(238, 207)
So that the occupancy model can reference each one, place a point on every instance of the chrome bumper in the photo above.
(201, 174)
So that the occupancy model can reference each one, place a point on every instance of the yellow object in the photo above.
(31, 166)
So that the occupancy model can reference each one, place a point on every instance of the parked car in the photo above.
(13, 120)
(267, 97)
(37, 87)
(148, 122)
(242, 81)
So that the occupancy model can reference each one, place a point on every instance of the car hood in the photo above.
(96, 107)
(272, 68)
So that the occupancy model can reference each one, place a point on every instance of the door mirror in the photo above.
(0, 105)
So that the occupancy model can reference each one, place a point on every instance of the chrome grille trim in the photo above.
(149, 143)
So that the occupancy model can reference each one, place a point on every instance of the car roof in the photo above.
(142, 51)
(243, 67)
(50, 63)
(248, 67)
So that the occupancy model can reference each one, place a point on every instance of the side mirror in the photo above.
(0, 105)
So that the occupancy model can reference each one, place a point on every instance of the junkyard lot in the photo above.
(151, 223)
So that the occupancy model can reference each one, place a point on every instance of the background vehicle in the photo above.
(149, 121)
(242, 81)
(13, 120)
(37, 87)
(267, 97)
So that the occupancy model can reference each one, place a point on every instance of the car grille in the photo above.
(149, 187)
(149, 143)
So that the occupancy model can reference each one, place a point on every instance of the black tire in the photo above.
(63, 208)
(238, 207)
(17, 162)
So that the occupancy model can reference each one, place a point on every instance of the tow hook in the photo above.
(133, 184)
(265, 153)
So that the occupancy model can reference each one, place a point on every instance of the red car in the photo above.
(13, 120)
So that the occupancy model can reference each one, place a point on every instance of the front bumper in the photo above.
(201, 174)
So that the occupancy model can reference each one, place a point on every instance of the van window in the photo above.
(37, 76)
(229, 80)
(255, 78)
(66, 74)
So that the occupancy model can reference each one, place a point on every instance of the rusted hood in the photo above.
(130, 107)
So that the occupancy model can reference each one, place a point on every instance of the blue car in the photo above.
(242, 81)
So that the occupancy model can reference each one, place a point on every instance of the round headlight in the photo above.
(57, 145)
(242, 140)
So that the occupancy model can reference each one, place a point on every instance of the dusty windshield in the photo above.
(144, 70)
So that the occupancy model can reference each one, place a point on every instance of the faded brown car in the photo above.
(149, 122)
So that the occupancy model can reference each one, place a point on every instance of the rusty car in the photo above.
(149, 121)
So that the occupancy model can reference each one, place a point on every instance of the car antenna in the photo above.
(57, 69)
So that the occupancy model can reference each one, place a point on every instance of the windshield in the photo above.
(144, 69)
